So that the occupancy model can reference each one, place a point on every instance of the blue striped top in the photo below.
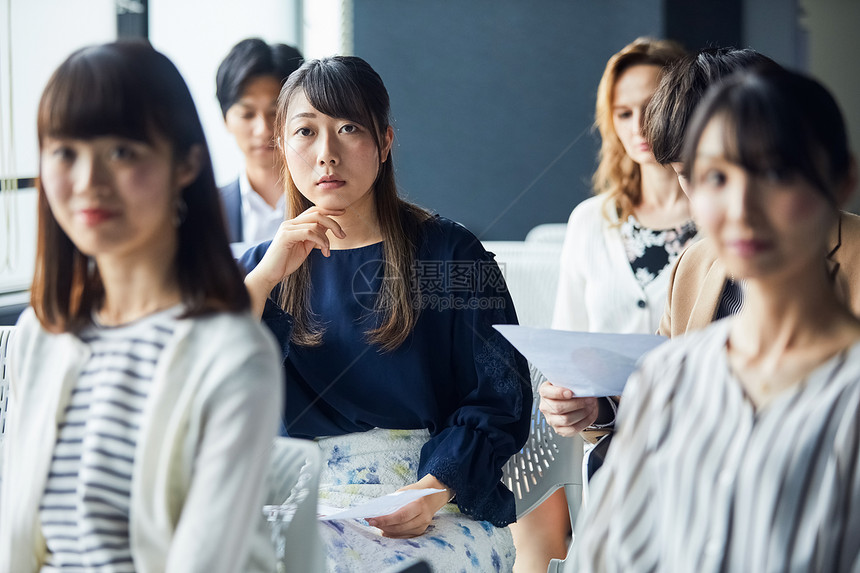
(84, 512)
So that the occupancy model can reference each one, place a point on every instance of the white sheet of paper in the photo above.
(376, 507)
(589, 363)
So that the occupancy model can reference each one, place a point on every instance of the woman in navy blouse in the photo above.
(385, 316)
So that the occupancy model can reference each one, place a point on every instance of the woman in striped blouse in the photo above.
(737, 446)
(143, 395)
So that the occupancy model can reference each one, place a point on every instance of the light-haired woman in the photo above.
(618, 250)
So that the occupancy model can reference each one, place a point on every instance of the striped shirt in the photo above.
(84, 512)
(698, 479)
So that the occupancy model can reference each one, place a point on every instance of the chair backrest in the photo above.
(547, 233)
(5, 336)
(546, 462)
(531, 273)
(293, 491)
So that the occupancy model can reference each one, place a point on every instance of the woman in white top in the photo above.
(737, 446)
(143, 395)
(617, 253)
(611, 280)
(620, 244)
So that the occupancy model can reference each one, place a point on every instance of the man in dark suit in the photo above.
(247, 86)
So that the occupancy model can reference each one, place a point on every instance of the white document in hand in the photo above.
(376, 507)
(589, 363)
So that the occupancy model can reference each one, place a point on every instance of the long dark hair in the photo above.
(128, 89)
(347, 87)
(777, 122)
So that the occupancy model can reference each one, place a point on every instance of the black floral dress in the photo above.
(650, 250)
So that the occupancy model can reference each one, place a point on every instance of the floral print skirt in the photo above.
(359, 467)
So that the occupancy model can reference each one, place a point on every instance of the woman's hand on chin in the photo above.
(412, 520)
(292, 244)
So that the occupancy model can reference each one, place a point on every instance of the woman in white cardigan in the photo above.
(617, 252)
(143, 395)
(612, 271)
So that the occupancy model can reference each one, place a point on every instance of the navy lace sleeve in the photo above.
(491, 421)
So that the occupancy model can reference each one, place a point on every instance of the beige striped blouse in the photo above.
(698, 480)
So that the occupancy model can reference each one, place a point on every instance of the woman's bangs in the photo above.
(337, 96)
(88, 99)
(753, 138)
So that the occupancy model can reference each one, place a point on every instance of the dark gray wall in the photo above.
(771, 27)
(9, 313)
(493, 100)
(705, 22)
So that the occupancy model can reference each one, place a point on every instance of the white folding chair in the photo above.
(295, 472)
(546, 463)
(547, 233)
(531, 274)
